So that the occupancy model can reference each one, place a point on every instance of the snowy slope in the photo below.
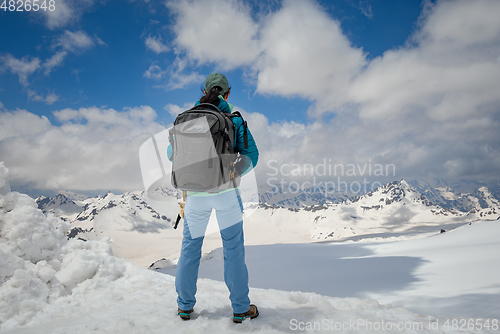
(139, 215)
(395, 211)
(140, 228)
(453, 273)
(49, 284)
(138, 232)
(457, 274)
(392, 212)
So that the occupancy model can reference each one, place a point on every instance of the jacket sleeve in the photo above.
(248, 156)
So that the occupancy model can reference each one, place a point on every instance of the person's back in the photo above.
(229, 212)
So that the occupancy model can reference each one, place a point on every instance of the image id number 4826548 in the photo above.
(28, 5)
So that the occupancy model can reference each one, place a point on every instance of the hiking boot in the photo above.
(185, 315)
(252, 313)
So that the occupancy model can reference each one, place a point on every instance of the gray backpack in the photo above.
(203, 158)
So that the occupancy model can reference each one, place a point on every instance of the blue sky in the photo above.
(408, 83)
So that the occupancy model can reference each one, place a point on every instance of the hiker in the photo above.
(229, 211)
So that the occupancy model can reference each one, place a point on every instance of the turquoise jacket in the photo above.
(250, 155)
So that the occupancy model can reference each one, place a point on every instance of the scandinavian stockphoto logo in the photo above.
(156, 170)
(327, 178)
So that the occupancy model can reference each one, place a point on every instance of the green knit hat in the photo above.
(217, 79)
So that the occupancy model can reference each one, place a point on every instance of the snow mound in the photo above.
(38, 264)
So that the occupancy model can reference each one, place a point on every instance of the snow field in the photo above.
(51, 285)
(450, 274)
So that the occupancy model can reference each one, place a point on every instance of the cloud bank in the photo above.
(94, 148)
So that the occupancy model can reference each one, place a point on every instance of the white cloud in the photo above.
(176, 78)
(74, 41)
(98, 117)
(298, 50)
(175, 110)
(448, 75)
(306, 54)
(76, 73)
(66, 12)
(452, 27)
(23, 67)
(219, 31)
(61, 16)
(100, 41)
(366, 8)
(417, 147)
(21, 123)
(49, 99)
(154, 72)
(94, 148)
(54, 61)
(155, 44)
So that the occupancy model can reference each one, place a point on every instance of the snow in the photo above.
(138, 232)
(490, 213)
(49, 284)
(488, 197)
(446, 193)
(440, 275)
(141, 231)
(457, 274)
(4, 184)
(59, 206)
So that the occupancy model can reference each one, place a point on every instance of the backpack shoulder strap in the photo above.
(245, 126)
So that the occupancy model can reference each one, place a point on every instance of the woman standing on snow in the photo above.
(229, 212)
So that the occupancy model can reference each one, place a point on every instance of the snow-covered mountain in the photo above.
(464, 195)
(127, 205)
(491, 213)
(60, 205)
(390, 211)
(82, 215)
(129, 219)
(395, 211)
(297, 198)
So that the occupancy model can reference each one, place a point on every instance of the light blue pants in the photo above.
(228, 208)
